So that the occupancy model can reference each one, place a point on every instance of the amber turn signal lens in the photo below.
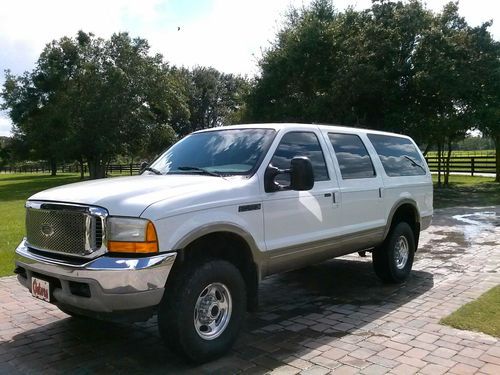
(133, 247)
(151, 233)
(142, 247)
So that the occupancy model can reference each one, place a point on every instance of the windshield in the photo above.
(219, 152)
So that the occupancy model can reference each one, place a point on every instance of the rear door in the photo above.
(361, 193)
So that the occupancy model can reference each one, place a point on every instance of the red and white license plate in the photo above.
(40, 289)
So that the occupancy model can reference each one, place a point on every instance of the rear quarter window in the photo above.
(399, 156)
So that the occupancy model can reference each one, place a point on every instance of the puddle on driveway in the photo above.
(476, 223)
(455, 230)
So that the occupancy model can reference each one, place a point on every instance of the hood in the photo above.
(130, 196)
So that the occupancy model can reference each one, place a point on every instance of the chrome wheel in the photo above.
(212, 311)
(401, 252)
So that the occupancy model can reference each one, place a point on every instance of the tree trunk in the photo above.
(82, 171)
(96, 168)
(53, 167)
(447, 167)
(427, 148)
(497, 157)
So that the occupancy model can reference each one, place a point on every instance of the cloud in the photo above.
(228, 38)
(5, 126)
(226, 34)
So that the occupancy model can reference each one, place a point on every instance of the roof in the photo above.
(280, 126)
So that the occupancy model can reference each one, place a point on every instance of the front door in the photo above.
(293, 219)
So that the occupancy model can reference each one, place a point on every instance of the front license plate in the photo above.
(40, 289)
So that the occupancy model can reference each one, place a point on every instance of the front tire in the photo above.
(201, 313)
(393, 260)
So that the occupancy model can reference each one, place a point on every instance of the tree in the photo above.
(395, 66)
(486, 83)
(121, 94)
(214, 98)
(353, 68)
(161, 138)
(443, 84)
(36, 107)
(5, 150)
(91, 99)
(296, 72)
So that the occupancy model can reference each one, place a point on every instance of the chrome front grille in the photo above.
(65, 229)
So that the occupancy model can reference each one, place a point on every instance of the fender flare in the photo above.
(258, 256)
(395, 207)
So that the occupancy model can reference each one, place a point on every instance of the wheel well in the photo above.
(409, 214)
(228, 246)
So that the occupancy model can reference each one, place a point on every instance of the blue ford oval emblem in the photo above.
(47, 230)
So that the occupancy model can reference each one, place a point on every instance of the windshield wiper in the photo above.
(150, 169)
(414, 163)
(198, 169)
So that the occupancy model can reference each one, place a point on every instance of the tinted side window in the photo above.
(353, 158)
(300, 144)
(398, 155)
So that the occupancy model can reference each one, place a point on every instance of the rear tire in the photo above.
(393, 260)
(202, 310)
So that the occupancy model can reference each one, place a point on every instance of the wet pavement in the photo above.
(335, 316)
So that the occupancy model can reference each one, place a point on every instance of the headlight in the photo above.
(131, 235)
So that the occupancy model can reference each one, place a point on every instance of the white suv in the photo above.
(220, 210)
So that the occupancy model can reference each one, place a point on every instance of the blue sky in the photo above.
(226, 34)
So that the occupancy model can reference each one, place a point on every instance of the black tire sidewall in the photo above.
(192, 346)
(396, 274)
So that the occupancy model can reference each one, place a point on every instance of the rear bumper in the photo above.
(103, 285)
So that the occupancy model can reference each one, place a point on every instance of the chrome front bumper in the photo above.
(114, 283)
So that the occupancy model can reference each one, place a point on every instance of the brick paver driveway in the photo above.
(333, 316)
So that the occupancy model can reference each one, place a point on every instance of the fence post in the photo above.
(131, 169)
(472, 166)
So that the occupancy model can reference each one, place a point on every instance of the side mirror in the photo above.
(270, 185)
(144, 165)
(301, 174)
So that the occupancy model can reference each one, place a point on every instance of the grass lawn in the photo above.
(481, 315)
(14, 190)
(467, 191)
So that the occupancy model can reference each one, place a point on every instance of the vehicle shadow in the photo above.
(337, 300)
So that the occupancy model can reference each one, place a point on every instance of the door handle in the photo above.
(328, 195)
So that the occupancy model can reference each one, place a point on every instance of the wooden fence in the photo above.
(130, 169)
(123, 168)
(458, 164)
(465, 164)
